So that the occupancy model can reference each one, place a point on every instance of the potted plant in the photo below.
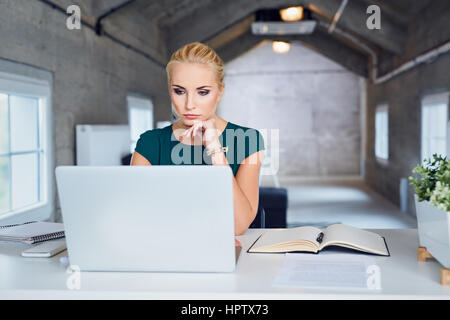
(432, 199)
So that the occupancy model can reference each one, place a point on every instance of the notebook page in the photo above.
(341, 233)
(291, 234)
(31, 230)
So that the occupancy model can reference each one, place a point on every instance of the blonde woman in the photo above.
(195, 78)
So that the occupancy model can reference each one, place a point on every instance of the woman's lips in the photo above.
(192, 116)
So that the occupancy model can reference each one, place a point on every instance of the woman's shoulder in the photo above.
(154, 133)
(246, 130)
(149, 140)
(232, 125)
(150, 143)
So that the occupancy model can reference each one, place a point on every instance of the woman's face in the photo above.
(194, 91)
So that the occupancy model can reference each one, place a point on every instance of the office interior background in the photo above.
(352, 95)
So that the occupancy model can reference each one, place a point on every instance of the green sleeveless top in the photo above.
(160, 147)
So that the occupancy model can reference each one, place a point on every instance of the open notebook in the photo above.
(311, 239)
(32, 232)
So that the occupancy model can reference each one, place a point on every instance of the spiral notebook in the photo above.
(32, 232)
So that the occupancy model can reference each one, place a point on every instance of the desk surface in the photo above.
(402, 277)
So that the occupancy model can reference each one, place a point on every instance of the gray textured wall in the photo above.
(403, 94)
(313, 101)
(91, 74)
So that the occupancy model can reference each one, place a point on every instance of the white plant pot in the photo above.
(434, 231)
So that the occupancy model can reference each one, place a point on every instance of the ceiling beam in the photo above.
(109, 12)
(237, 46)
(210, 19)
(402, 11)
(334, 50)
(392, 36)
(227, 34)
(103, 7)
(319, 41)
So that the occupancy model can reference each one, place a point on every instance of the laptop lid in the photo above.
(148, 218)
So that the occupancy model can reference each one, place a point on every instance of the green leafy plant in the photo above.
(433, 183)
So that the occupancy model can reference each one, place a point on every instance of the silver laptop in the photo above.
(148, 218)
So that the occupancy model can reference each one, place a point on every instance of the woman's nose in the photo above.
(190, 102)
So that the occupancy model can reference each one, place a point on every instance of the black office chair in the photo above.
(260, 219)
(126, 160)
(272, 208)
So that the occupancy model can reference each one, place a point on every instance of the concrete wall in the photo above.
(403, 94)
(311, 100)
(91, 74)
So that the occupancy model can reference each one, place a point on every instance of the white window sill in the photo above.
(35, 212)
(382, 161)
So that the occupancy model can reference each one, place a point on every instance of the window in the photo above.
(140, 117)
(382, 132)
(434, 125)
(25, 149)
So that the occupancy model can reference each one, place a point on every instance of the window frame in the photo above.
(384, 107)
(20, 85)
(429, 99)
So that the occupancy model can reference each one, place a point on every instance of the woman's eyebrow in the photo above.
(176, 85)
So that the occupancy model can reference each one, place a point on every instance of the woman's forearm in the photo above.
(243, 211)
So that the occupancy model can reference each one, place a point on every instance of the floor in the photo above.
(321, 202)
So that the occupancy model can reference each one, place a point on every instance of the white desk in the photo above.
(402, 277)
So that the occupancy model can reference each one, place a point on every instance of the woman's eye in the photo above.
(202, 93)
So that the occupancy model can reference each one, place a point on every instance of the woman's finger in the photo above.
(187, 132)
(194, 129)
(184, 133)
(200, 127)
(197, 129)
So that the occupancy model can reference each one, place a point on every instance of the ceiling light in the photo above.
(280, 46)
(268, 21)
(291, 14)
(283, 28)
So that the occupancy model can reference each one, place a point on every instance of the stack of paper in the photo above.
(329, 271)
